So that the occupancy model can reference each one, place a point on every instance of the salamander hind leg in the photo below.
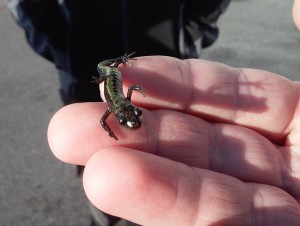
(124, 59)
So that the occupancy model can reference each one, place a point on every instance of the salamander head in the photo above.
(130, 118)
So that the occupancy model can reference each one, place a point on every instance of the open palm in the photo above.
(218, 146)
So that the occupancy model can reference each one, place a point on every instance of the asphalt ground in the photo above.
(36, 188)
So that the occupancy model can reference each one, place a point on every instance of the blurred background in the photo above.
(36, 188)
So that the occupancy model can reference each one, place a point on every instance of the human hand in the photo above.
(296, 13)
(218, 146)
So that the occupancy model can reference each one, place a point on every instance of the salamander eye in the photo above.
(122, 120)
(137, 112)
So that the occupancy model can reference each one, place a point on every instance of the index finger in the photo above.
(256, 99)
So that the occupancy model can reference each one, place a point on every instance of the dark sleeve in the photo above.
(200, 19)
(45, 28)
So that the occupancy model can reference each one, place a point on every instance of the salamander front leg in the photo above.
(105, 126)
(134, 87)
(97, 80)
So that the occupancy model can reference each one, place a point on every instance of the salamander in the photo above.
(127, 114)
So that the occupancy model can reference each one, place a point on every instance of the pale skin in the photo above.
(218, 146)
(296, 14)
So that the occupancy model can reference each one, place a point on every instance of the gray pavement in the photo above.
(36, 188)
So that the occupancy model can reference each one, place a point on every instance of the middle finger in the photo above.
(75, 135)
